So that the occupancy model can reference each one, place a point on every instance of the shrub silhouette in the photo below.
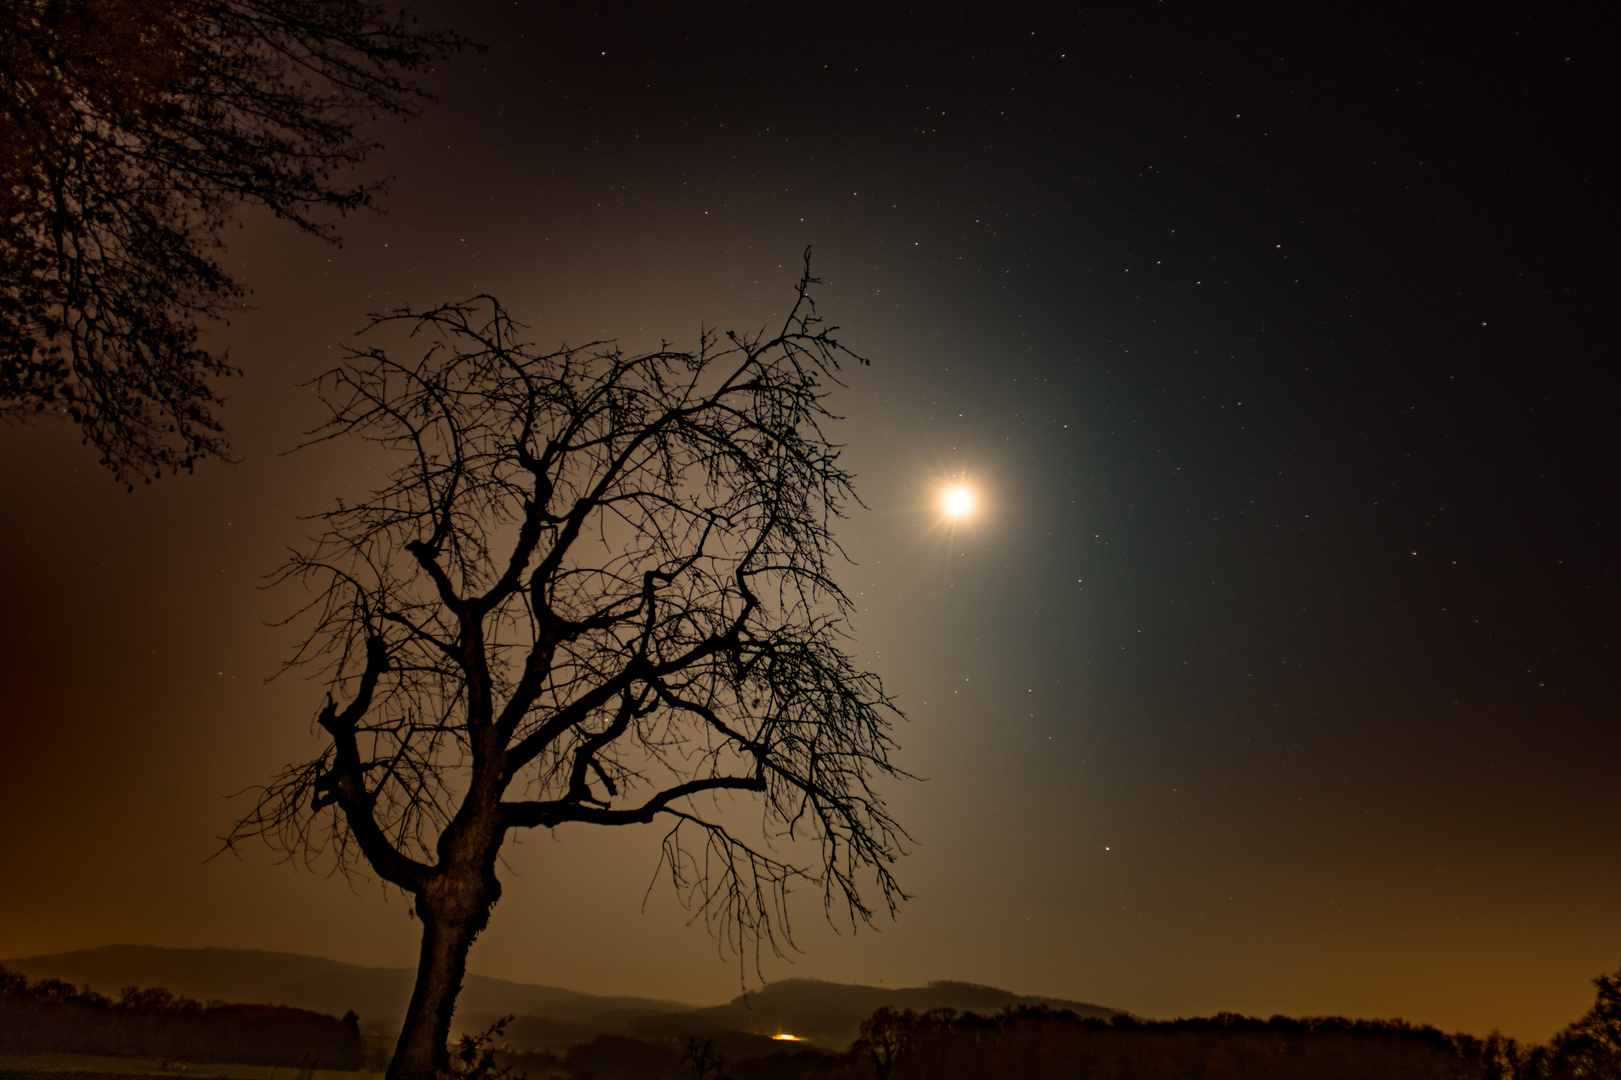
(1056, 1045)
(53, 1016)
(1590, 1049)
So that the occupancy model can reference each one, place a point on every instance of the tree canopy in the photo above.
(130, 131)
(598, 588)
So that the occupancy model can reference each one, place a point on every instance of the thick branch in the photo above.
(550, 814)
(345, 783)
(427, 558)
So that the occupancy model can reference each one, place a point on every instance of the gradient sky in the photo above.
(1276, 673)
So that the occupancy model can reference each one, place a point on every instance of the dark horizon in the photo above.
(1273, 673)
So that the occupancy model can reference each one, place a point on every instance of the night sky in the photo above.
(1275, 671)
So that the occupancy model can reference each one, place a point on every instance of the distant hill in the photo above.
(378, 995)
(826, 1014)
(830, 1014)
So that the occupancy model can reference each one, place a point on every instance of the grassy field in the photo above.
(88, 1067)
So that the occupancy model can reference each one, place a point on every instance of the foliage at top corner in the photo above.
(130, 132)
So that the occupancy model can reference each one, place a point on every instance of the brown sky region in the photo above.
(1274, 673)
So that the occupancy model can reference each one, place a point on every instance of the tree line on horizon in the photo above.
(51, 1016)
(1033, 1041)
(940, 1044)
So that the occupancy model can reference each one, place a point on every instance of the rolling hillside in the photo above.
(831, 1013)
(825, 1014)
(379, 995)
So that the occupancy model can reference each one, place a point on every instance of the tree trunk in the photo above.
(454, 907)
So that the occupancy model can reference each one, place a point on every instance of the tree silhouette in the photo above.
(598, 588)
(130, 130)
(885, 1035)
(1591, 1047)
(703, 1058)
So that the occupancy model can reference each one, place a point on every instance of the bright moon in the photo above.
(959, 501)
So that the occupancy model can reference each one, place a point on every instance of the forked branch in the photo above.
(598, 588)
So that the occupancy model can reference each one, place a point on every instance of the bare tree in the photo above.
(130, 131)
(885, 1036)
(597, 589)
(704, 1058)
